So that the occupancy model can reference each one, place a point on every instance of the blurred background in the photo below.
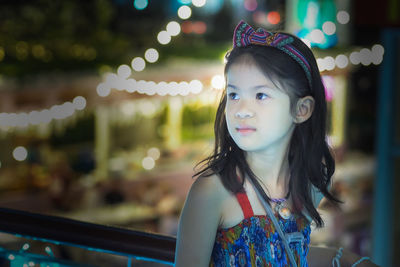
(107, 105)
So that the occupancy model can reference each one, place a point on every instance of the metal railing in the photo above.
(106, 239)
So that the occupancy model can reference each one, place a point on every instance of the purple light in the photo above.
(329, 84)
(250, 5)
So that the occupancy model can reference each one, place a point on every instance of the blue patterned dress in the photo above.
(254, 241)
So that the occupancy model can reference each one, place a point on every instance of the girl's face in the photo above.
(257, 113)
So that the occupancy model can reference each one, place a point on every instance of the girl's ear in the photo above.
(304, 109)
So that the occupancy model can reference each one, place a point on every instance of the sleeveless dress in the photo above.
(255, 242)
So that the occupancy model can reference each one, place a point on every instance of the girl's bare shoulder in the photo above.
(210, 187)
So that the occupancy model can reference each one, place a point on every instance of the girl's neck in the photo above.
(271, 168)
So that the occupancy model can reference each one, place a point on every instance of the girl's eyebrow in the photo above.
(252, 88)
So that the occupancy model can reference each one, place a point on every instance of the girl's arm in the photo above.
(321, 256)
(198, 223)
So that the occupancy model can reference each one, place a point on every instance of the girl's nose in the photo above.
(244, 112)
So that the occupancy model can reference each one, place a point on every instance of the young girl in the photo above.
(270, 128)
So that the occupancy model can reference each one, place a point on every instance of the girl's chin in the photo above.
(250, 147)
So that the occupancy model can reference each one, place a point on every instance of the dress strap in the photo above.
(245, 204)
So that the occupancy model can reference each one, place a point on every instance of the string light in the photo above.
(365, 57)
(163, 37)
(341, 61)
(343, 17)
(124, 71)
(329, 27)
(184, 12)
(173, 28)
(377, 54)
(148, 87)
(218, 82)
(317, 36)
(199, 3)
(355, 58)
(138, 64)
(36, 117)
(151, 55)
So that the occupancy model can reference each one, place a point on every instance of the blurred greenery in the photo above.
(54, 36)
(198, 122)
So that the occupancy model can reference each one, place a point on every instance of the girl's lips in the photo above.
(245, 131)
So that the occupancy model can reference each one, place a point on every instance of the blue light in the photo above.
(140, 4)
(211, 7)
(329, 40)
(185, 2)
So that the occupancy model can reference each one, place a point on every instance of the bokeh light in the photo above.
(317, 36)
(273, 17)
(20, 153)
(79, 102)
(185, 2)
(184, 12)
(163, 37)
(148, 163)
(341, 61)
(377, 54)
(154, 153)
(355, 58)
(124, 71)
(151, 55)
(140, 4)
(103, 90)
(260, 17)
(343, 17)
(365, 56)
(250, 5)
(199, 27)
(329, 63)
(138, 64)
(196, 86)
(218, 82)
(329, 27)
(173, 28)
(199, 3)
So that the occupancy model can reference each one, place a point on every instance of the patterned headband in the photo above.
(245, 35)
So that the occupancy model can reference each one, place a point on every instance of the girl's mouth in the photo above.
(245, 130)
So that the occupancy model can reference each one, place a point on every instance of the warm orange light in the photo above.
(273, 17)
(187, 27)
(199, 27)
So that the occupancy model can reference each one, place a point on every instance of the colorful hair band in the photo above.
(245, 35)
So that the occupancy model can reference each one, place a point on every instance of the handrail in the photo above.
(98, 237)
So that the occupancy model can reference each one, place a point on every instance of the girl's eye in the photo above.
(261, 96)
(232, 96)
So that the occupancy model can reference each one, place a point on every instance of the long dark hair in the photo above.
(310, 157)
